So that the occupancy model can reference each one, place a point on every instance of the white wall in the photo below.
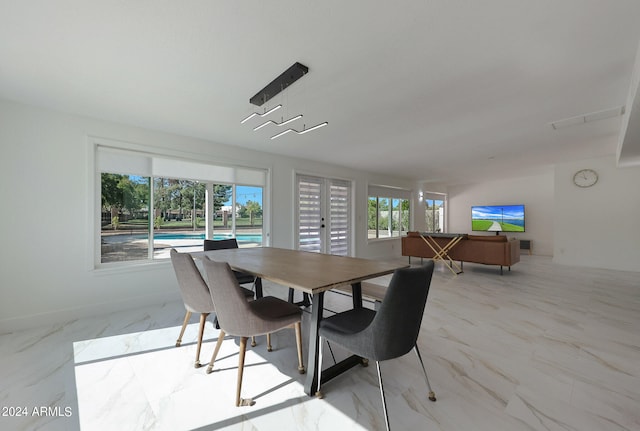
(598, 226)
(45, 258)
(593, 227)
(535, 192)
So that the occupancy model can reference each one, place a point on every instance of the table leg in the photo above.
(311, 383)
(258, 284)
(356, 294)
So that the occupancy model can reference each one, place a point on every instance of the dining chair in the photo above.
(388, 333)
(225, 244)
(243, 319)
(195, 295)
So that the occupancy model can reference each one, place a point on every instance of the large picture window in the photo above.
(150, 204)
(388, 212)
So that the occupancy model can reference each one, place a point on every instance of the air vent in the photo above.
(587, 118)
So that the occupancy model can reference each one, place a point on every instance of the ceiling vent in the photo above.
(587, 118)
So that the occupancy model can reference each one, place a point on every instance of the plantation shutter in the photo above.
(310, 213)
(339, 219)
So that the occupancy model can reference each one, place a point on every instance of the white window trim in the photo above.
(440, 197)
(388, 192)
(294, 210)
(94, 203)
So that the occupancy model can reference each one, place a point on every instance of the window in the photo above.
(388, 212)
(399, 217)
(434, 212)
(150, 204)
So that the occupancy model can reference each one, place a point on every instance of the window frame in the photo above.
(326, 187)
(94, 191)
(391, 195)
(432, 196)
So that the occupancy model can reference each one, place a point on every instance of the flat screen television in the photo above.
(497, 218)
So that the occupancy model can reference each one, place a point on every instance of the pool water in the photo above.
(200, 236)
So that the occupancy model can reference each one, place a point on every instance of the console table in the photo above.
(441, 252)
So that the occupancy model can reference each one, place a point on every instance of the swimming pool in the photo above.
(181, 238)
(242, 238)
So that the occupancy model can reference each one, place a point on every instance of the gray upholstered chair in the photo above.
(388, 333)
(243, 319)
(225, 244)
(195, 295)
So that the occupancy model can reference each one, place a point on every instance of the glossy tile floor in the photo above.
(544, 347)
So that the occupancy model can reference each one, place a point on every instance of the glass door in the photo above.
(323, 215)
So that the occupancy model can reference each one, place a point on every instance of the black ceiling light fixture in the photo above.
(285, 79)
(282, 82)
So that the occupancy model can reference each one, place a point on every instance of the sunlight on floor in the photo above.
(140, 380)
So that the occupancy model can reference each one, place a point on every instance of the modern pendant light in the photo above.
(277, 124)
(282, 82)
(275, 108)
(301, 132)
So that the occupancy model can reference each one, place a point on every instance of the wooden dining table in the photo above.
(311, 273)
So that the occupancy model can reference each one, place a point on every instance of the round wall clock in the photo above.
(585, 178)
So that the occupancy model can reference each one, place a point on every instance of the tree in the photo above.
(372, 214)
(124, 193)
(254, 209)
(383, 214)
(405, 214)
(110, 192)
(179, 196)
(221, 194)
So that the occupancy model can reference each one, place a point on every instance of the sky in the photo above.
(247, 193)
(492, 211)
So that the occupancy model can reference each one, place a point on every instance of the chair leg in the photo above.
(331, 351)
(269, 347)
(432, 395)
(203, 320)
(253, 341)
(215, 352)
(319, 393)
(298, 329)
(187, 316)
(384, 402)
(243, 349)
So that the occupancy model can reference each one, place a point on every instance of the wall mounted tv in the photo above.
(497, 218)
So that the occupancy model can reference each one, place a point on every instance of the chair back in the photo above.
(232, 309)
(396, 325)
(193, 289)
(220, 244)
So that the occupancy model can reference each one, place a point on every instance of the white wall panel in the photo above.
(47, 199)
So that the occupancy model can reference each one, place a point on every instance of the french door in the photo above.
(324, 215)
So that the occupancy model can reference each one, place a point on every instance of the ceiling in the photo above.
(443, 91)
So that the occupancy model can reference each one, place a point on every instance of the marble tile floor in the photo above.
(544, 347)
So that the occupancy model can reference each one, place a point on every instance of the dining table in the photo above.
(311, 273)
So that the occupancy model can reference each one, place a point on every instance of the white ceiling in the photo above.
(440, 90)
